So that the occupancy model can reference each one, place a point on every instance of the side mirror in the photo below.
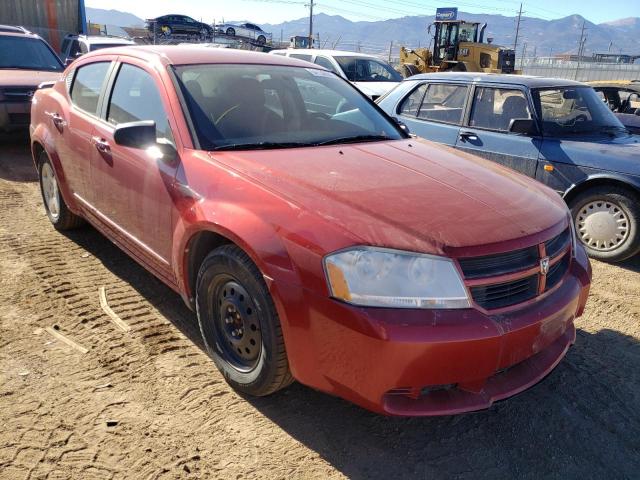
(402, 125)
(524, 126)
(142, 135)
(136, 134)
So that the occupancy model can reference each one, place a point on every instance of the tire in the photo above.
(262, 39)
(166, 31)
(239, 323)
(231, 32)
(59, 214)
(204, 33)
(608, 212)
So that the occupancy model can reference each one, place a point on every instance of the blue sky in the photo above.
(276, 11)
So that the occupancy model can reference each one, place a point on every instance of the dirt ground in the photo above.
(149, 403)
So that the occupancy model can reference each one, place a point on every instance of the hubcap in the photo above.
(237, 325)
(602, 225)
(50, 191)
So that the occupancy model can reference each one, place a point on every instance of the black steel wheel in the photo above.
(239, 323)
(262, 39)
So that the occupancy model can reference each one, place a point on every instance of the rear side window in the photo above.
(443, 103)
(300, 56)
(411, 104)
(87, 85)
(135, 97)
(326, 63)
(494, 108)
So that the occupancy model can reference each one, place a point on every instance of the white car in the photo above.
(245, 30)
(373, 77)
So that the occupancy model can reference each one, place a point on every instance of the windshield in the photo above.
(27, 54)
(265, 106)
(100, 46)
(362, 69)
(574, 110)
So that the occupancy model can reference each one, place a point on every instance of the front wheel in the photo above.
(239, 323)
(262, 39)
(607, 222)
(59, 214)
(231, 32)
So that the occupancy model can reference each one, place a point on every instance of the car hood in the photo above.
(375, 89)
(404, 194)
(620, 154)
(26, 78)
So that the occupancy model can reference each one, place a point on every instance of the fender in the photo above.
(630, 180)
(241, 226)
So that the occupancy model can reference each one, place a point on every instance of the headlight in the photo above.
(379, 277)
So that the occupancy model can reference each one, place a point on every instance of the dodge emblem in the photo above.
(544, 265)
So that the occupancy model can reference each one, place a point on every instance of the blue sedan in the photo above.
(557, 131)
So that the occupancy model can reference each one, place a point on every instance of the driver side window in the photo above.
(135, 97)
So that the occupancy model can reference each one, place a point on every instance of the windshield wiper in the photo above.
(259, 146)
(355, 139)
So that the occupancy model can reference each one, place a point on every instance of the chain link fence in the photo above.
(580, 71)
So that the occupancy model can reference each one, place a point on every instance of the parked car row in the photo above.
(323, 243)
(556, 131)
(169, 25)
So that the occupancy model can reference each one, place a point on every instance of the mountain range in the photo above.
(537, 36)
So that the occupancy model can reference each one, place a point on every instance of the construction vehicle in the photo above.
(458, 46)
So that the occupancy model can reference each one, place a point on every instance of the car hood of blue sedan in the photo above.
(619, 154)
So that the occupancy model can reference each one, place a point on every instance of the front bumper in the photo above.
(429, 362)
(14, 115)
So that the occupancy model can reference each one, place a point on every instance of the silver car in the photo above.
(244, 30)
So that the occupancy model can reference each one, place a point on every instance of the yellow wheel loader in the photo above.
(458, 46)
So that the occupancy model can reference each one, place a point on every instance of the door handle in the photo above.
(101, 144)
(467, 135)
(57, 120)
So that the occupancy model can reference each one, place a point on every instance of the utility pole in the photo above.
(390, 50)
(524, 54)
(311, 24)
(515, 43)
(580, 48)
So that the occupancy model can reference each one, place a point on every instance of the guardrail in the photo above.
(580, 71)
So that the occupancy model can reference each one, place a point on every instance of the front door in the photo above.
(486, 133)
(434, 111)
(135, 184)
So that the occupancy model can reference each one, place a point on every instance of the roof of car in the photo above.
(331, 53)
(15, 31)
(475, 77)
(190, 54)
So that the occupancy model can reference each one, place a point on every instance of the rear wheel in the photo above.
(239, 323)
(59, 214)
(607, 221)
(262, 40)
(204, 33)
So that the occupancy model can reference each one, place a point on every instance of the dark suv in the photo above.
(557, 131)
(168, 25)
(26, 60)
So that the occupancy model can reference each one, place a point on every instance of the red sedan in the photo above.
(313, 237)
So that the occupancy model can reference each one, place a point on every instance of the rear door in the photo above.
(135, 185)
(75, 126)
(486, 131)
(435, 111)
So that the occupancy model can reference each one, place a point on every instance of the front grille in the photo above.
(525, 279)
(19, 118)
(558, 244)
(18, 94)
(556, 272)
(491, 297)
(499, 264)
